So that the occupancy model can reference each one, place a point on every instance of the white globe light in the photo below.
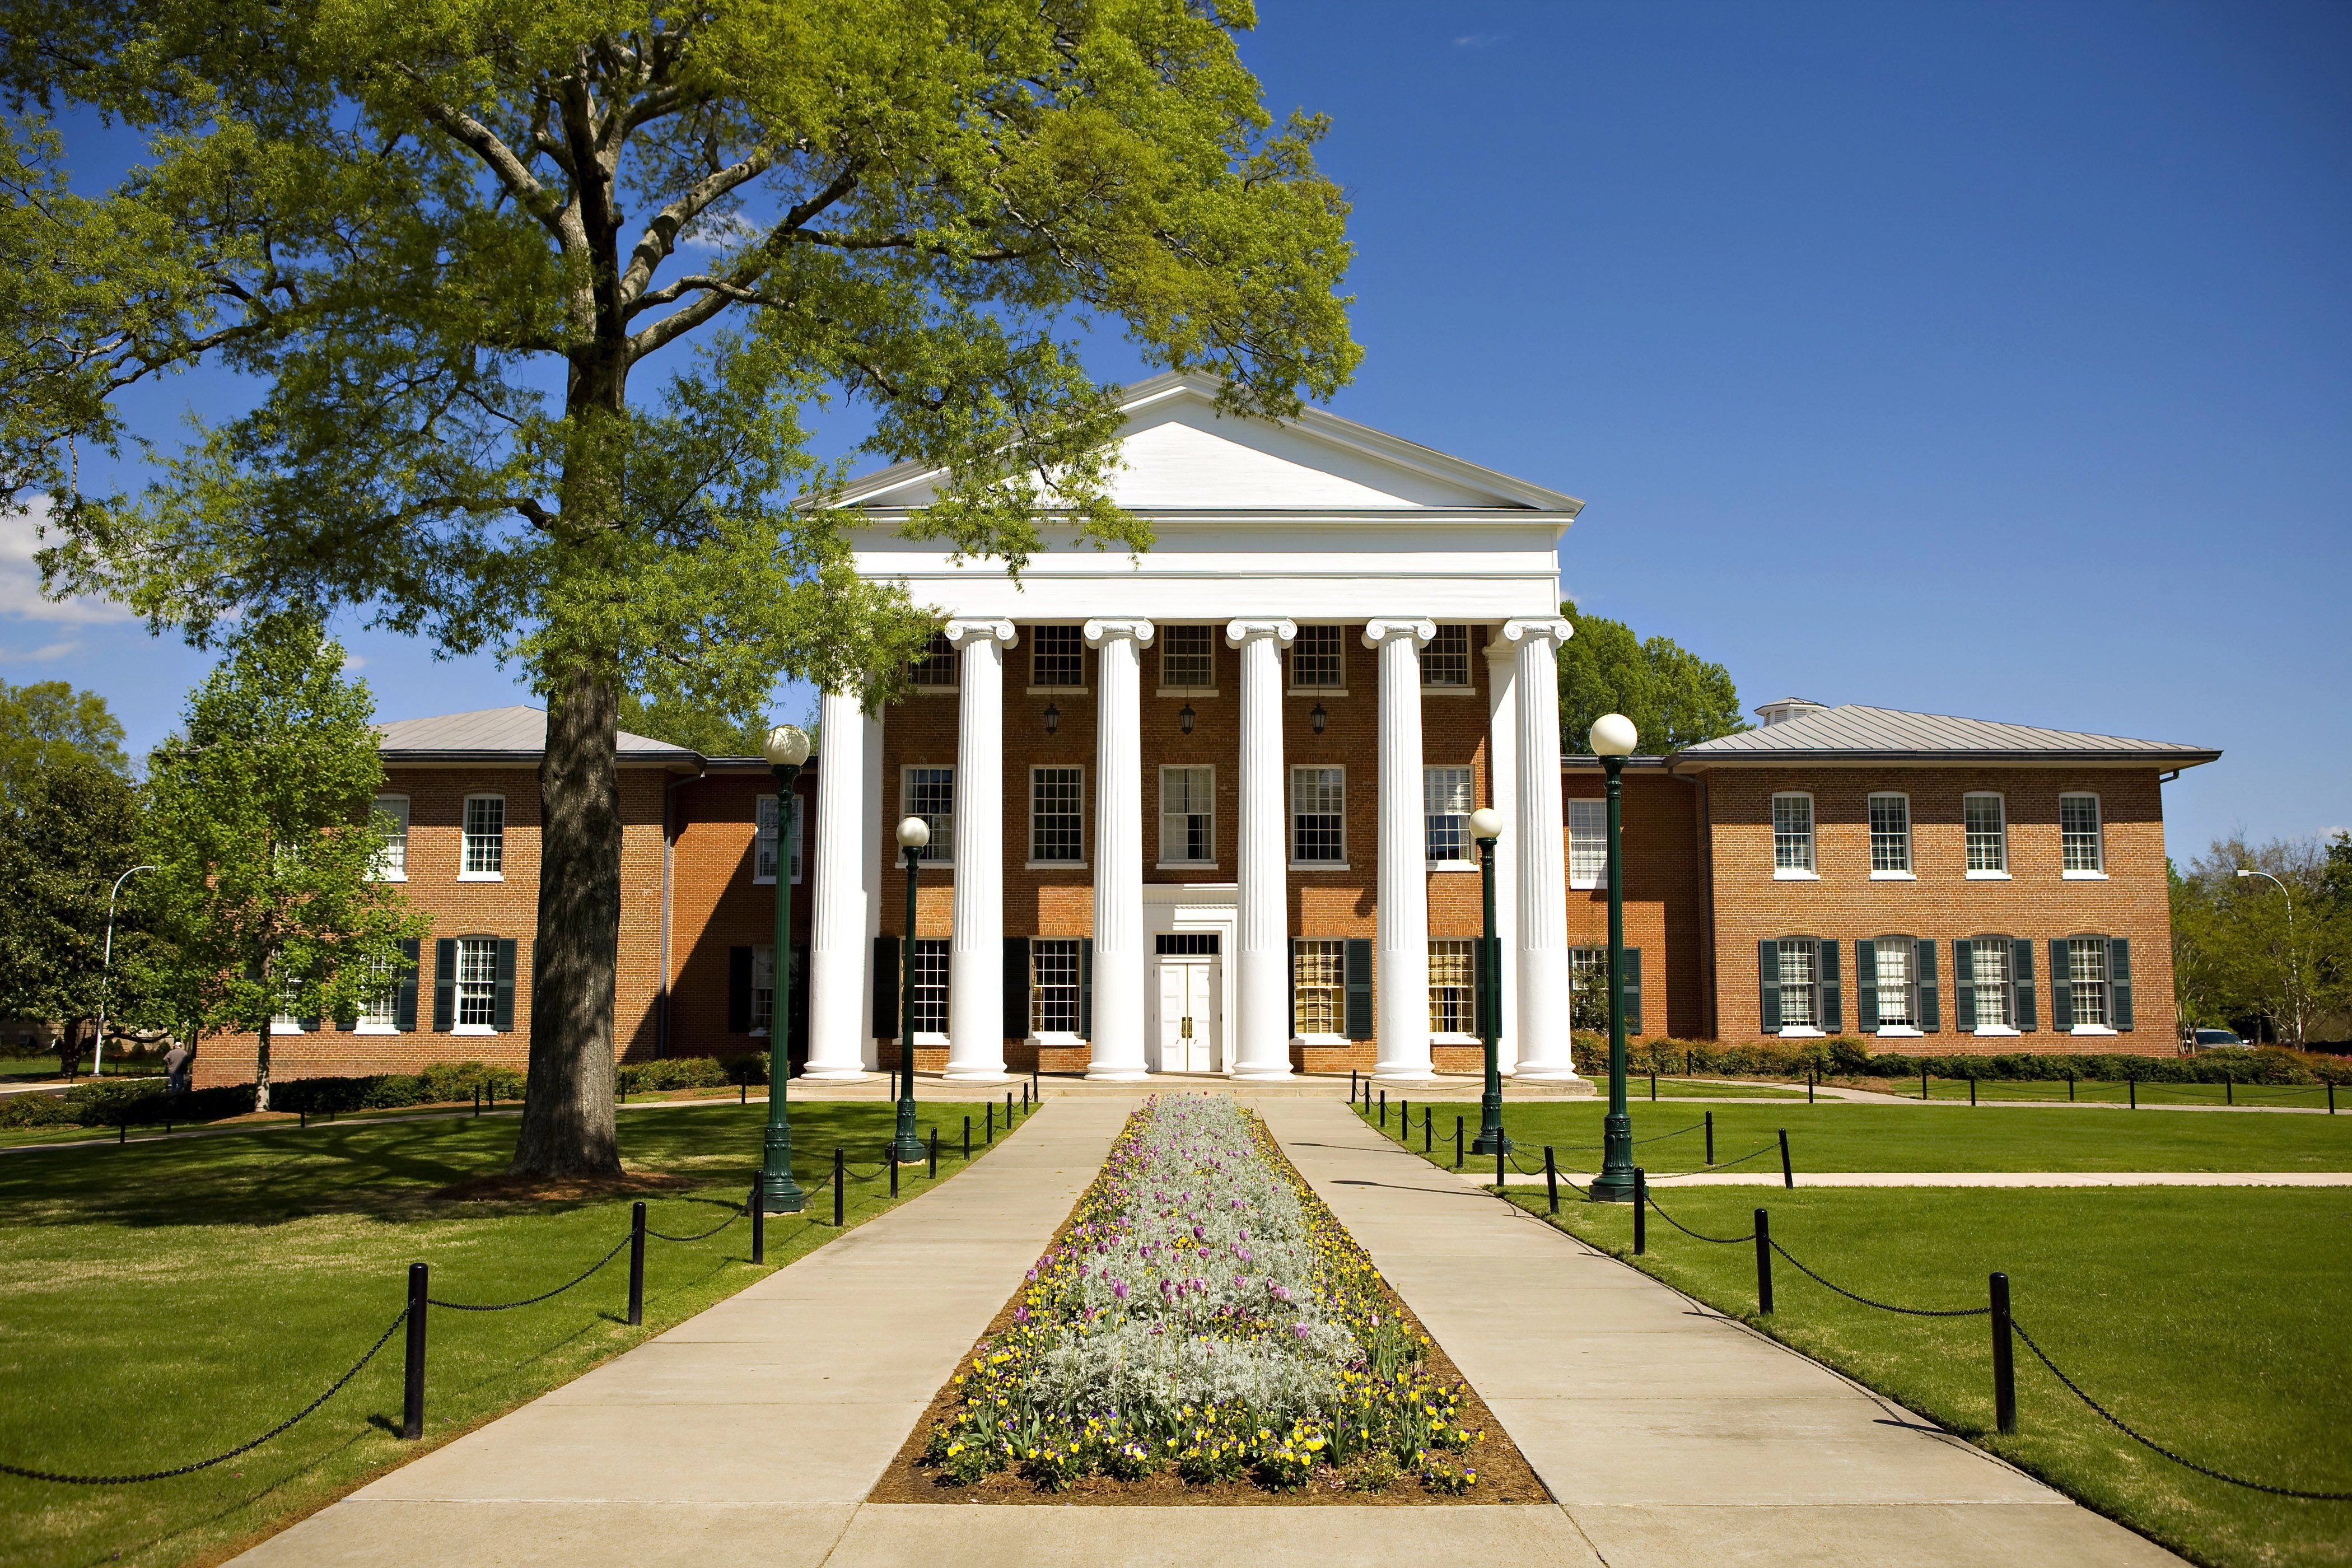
(1485, 824)
(1613, 735)
(788, 746)
(914, 833)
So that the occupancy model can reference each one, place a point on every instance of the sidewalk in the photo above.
(1473, 1175)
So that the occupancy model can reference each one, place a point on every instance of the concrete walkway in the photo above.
(1806, 1179)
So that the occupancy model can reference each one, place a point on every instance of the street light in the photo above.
(787, 751)
(106, 975)
(914, 835)
(1613, 737)
(2293, 960)
(1485, 826)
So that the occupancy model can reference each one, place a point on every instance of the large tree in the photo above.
(2245, 946)
(68, 832)
(46, 723)
(1674, 697)
(460, 249)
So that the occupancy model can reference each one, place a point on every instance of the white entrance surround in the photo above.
(1503, 794)
(1195, 909)
(1544, 1055)
(976, 949)
(1118, 1006)
(1261, 1037)
(1400, 908)
(845, 878)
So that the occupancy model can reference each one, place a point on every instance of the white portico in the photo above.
(1201, 808)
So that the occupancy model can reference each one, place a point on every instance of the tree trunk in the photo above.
(567, 1112)
(261, 1069)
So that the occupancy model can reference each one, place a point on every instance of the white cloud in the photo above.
(354, 661)
(722, 233)
(20, 579)
(1479, 40)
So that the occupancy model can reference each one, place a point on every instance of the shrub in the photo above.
(676, 1073)
(35, 1110)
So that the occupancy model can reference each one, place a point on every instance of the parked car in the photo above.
(2214, 1039)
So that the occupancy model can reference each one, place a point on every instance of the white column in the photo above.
(1542, 874)
(976, 950)
(1262, 967)
(1503, 794)
(844, 877)
(1401, 948)
(1118, 1051)
(880, 844)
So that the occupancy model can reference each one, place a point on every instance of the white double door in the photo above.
(1189, 1014)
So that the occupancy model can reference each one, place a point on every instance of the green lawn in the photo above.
(2212, 1319)
(2308, 1095)
(36, 1065)
(163, 1302)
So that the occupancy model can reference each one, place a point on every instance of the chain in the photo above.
(1720, 1165)
(530, 1301)
(697, 1235)
(1881, 1306)
(1696, 1235)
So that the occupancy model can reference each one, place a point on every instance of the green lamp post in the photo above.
(906, 1146)
(787, 752)
(1613, 737)
(1485, 826)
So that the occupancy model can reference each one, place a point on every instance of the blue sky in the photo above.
(1991, 359)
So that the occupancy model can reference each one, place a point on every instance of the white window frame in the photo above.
(1059, 951)
(1077, 814)
(1466, 1005)
(763, 986)
(284, 1022)
(940, 650)
(1464, 782)
(497, 842)
(1811, 870)
(940, 853)
(392, 859)
(1588, 844)
(1448, 634)
(1339, 652)
(380, 1013)
(938, 949)
(763, 841)
(1038, 688)
(1900, 838)
(2099, 948)
(1908, 952)
(2097, 870)
(1170, 860)
(1810, 948)
(476, 957)
(2004, 950)
(1167, 650)
(1341, 863)
(2001, 838)
(1334, 950)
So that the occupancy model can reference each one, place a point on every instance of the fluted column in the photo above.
(1118, 1046)
(846, 871)
(1262, 967)
(1503, 794)
(1401, 947)
(976, 950)
(1544, 1056)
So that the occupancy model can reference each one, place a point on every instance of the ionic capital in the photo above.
(1283, 632)
(1422, 632)
(1099, 632)
(960, 632)
(1530, 629)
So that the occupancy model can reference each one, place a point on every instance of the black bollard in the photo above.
(1457, 1143)
(935, 1153)
(412, 1394)
(990, 1128)
(1640, 1211)
(1764, 1262)
(890, 1158)
(967, 1137)
(1710, 1137)
(1384, 1107)
(1008, 1111)
(2229, 1088)
(1352, 1086)
(1500, 1184)
(2331, 1099)
(1973, 1089)
(1788, 1176)
(743, 1091)
(1428, 1129)
(304, 1114)
(2004, 1365)
(2135, 1093)
(759, 1223)
(1551, 1180)
(1923, 1083)
(1404, 1120)
(1036, 1087)
(2070, 1087)
(478, 1099)
(123, 1130)
(1653, 1088)
(1809, 1085)
(1025, 1100)
(840, 1168)
(637, 1265)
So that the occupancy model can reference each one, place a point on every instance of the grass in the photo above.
(2088, 1092)
(45, 1066)
(165, 1300)
(2209, 1319)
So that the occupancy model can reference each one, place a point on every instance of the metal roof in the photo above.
(1852, 733)
(516, 734)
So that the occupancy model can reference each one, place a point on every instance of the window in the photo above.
(1188, 832)
(1056, 817)
(1892, 957)
(1792, 835)
(1318, 985)
(1588, 843)
(931, 960)
(1319, 807)
(1053, 986)
(2086, 978)
(930, 793)
(486, 837)
(1988, 835)
(1187, 655)
(763, 986)
(1890, 833)
(937, 665)
(763, 841)
(1446, 808)
(1454, 987)
(1800, 983)
(380, 1011)
(1057, 656)
(1187, 944)
(286, 1023)
(1989, 974)
(2080, 851)
(478, 983)
(1446, 660)
(1315, 659)
(392, 827)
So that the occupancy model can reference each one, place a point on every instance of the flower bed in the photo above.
(1203, 1317)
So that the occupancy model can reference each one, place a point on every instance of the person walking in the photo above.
(176, 1064)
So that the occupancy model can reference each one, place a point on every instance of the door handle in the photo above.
(1188, 1029)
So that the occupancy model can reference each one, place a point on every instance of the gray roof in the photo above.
(517, 734)
(1855, 733)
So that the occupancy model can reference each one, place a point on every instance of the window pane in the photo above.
(1317, 657)
(931, 960)
(2078, 832)
(1792, 833)
(486, 833)
(1187, 655)
(763, 841)
(1447, 805)
(930, 794)
(1318, 814)
(1187, 825)
(1588, 843)
(392, 827)
(1890, 832)
(1989, 972)
(2086, 973)
(1893, 959)
(1797, 957)
(1056, 815)
(1446, 660)
(1320, 982)
(1452, 988)
(937, 665)
(1058, 656)
(478, 980)
(379, 1011)
(1054, 985)
(763, 988)
(1987, 837)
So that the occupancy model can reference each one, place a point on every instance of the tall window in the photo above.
(1054, 985)
(763, 841)
(486, 836)
(1892, 959)
(2086, 975)
(1452, 988)
(1588, 843)
(1317, 657)
(930, 793)
(478, 982)
(1792, 833)
(937, 665)
(1446, 660)
(1056, 815)
(763, 988)
(1446, 808)
(1890, 832)
(1987, 830)
(1318, 986)
(1318, 816)
(380, 1011)
(1188, 823)
(2078, 833)
(391, 829)
(1989, 974)
(1187, 655)
(931, 961)
(1800, 983)
(1058, 656)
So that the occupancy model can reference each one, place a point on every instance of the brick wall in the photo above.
(715, 905)
(1666, 892)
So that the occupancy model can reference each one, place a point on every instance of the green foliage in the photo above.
(46, 724)
(2247, 947)
(1851, 1057)
(72, 828)
(712, 732)
(1674, 697)
(680, 1072)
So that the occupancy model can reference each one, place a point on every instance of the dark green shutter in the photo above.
(445, 984)
(2061, 987)
(1768, 987)
(1086, 986)
(1832, 1012)
(796, 1003)
(1865, 986)
(1963, 987)
(1359, 988)
(885, 987)
(1293, 956)
(1931, 1018)
(2119, 982)
(404, 1003)
(1633, 990)
(739, 989)
(502, 999)
(2021, 974)
(1016, 987)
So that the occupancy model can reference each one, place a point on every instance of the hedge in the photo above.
(1845, 1056)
